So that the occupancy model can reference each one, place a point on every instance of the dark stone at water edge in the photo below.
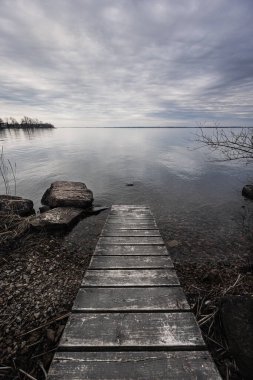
(94, 210)
(67, 194)
(16, 205)
(237, 320)
(59, 217)
(247, 191)
(44, 209)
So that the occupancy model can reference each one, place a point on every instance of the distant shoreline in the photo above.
(25, 123)
(31, 126)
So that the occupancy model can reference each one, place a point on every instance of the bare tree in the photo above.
(234, 144)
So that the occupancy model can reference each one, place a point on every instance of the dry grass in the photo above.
(205, 285)
(12, 228)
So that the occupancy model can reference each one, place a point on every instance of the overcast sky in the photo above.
(127, 62)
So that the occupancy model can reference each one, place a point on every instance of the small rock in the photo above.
(44, 209)
(16, 205)
(212, 276)
(247, 191)
(25, 277)
(51, 335)
(129, 184)
(173, 243)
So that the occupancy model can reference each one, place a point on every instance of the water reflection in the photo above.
(182, 186)
(26, 133)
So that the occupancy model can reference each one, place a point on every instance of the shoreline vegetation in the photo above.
(25, 123)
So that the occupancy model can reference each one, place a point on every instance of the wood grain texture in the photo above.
(129, 207)
(131, 330)
(133, 365)
(129, 250)
(129, 233)
(131, 240)
(125, 223)
(130, 299)
(131, 277)
(131, 226)
(128, 262)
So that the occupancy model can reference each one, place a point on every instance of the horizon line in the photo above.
(207, 127)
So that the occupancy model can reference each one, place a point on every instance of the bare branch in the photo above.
(233, 144)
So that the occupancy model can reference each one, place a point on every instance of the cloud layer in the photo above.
(127, 62)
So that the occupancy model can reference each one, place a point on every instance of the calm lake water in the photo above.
(197, 202)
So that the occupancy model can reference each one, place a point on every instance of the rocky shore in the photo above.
(43, 261)
(39, 279)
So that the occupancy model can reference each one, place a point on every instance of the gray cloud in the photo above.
(127, 62)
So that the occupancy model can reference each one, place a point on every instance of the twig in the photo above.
(46, 324)
(240, 277)
(44, 353)
(43, 369)
(27, 374)
(5, 368)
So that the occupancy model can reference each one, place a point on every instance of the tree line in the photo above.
(25, 122)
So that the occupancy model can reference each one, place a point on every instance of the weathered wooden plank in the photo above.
(130, 299)
(130, 210)
(129, 207)
(139, 214)
(149, 365)
(130, 226)
(131, 250)
(122, 219)
(139, 211)
(131, 213)
(131, 277)
(128, 262)
(131, 330)
(129, 233)
(134, 211)
(113, 222)
(131, 240)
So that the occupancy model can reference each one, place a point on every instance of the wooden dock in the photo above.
(130, 319)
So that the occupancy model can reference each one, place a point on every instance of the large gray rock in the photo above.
(16, 205)
(237, 320)
(68, 194)
(247, 191)
(59, 217)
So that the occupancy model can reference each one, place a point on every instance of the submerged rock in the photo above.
(67, 194)
(94, 210)
(16, 205)
(247, 191)
(59, 217)
(237, 320)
